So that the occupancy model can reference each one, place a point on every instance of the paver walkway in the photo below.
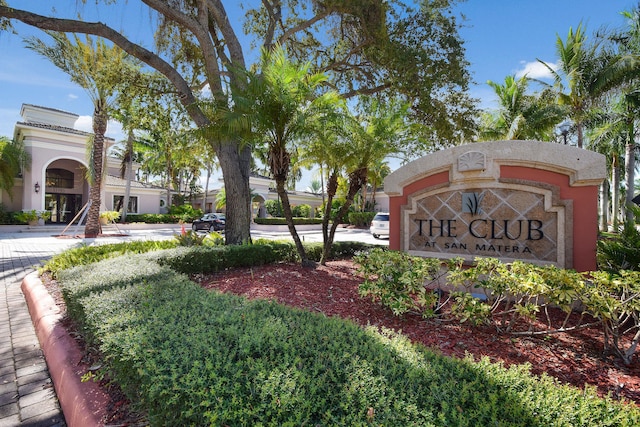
(27, 397)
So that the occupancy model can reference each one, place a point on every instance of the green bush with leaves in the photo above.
(361, 219)
(187, 356)
(185, 212)
(510, 296)
(6, 217)
(190, 238)
(153, 218)
(620, 252)
(283, 221)
(89, 254)
(301, 211)
(274, 208)
(400, 281)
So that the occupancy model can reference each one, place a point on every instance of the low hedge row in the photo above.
(89, 254)
(188, 356)
(283, 221)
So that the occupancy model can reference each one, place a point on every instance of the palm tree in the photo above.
(281, 101)
(380, 130)
(630, 45)
(586, 72)
(521, 116)
(13, 159)
(377, 173)
(315, 187)
(98, 69)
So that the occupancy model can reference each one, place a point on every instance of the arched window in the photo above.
(60, 178)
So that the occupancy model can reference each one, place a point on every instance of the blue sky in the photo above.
(502, 37)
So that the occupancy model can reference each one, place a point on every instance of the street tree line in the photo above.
(592, 101)
(366, 47)
(338, 85)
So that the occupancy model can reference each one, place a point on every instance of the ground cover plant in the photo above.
(187, 355)
(516, 298)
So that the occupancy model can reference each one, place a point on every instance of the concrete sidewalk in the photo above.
(27, 396)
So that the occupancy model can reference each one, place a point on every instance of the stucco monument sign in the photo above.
(513, 200)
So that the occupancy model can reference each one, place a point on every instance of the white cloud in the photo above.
(535, 70)
(114, 128)
(72, 96)
(84, 123)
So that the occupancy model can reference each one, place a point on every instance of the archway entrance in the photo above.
(65, 190)
(63, 207)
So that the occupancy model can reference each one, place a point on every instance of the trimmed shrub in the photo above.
(90, 254)
(302, 211)
(283, 221)
(274, 208)
(153, 218)
(187, 356)
(361, 219)
(185, 212)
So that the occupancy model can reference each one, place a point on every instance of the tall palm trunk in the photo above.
(615, 193)
(92, 227)
(604, 205)
(332, 188)
(288, 215)
(206, 189)
(279, 163)
(128, 176)
(630, 165)
(357, 179)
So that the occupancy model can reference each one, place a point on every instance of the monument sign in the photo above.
(526, 200)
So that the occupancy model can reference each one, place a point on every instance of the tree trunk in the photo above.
(604, 205)
(206, 190)
(630, 166)
(92, 227)
(288, 215)
(235, 163)
(615, 193)
(332, 188)
(357, 179)
(128, 173)
(580, 134)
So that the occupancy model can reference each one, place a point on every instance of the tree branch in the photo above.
(185, 94)
(303, 26)
(199, 28)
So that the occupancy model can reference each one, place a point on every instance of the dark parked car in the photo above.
(209, 222)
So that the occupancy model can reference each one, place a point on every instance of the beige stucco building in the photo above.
(56, 179)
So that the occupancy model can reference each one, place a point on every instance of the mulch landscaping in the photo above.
(575, 358)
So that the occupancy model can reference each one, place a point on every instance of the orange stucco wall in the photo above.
(585, 210)
(396, 203)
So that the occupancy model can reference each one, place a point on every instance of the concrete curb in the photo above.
(82, 403)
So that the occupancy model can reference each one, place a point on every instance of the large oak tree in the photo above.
(366, 46)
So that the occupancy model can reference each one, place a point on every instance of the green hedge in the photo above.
(283, 221)
(361, 219)
(154, 218)
(188, 356)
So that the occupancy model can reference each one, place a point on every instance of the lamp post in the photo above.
(564, 129)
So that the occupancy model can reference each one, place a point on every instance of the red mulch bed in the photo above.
(576, 358)
(332, 290)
